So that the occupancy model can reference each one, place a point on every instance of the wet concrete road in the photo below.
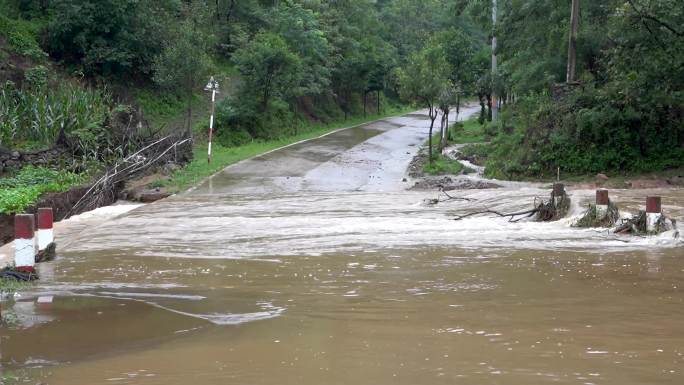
(314, 265)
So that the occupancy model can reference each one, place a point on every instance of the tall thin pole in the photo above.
(211, 122)
(572, 44)
(494, 69)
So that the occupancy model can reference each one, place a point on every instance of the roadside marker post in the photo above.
(653, 212)
(558, 192)
(24, 243)
(602, 202)
(212, 86)
(45, 233)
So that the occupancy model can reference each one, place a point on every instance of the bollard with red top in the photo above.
(558, 193)
(602, 202)
(24, 243)
(45, 233)
(653, 212)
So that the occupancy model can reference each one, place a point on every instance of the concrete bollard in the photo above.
(653, 212)
(558, 192)
(24, 243)
(602, 202)
(45, 233)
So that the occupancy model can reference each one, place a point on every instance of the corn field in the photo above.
(37, 116)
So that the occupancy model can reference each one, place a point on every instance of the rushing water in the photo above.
(315, 265)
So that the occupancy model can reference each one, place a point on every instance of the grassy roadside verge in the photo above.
(26, 187)
(469, 131)
(198, 169)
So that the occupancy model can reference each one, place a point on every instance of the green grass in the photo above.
(471, 131)
(222, 157)
(442, 165)
(25, 188)
(163, 108)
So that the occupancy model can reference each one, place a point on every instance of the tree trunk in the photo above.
(494, 62)
(446, 128)
(441, 134)
(364, 104)
(188, 124)
(230, 10)
(433, 116)
(489, 107)
(378, 102)
(483, 110)
(572, 44)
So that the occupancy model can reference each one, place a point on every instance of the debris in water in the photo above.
(638, 225)
(591, 217)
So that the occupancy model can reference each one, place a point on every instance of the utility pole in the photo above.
(212, 86)
(572, 44)
(494, 70)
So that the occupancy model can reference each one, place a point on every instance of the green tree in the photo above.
(184, 63)
(269, 70)
(109, 37)
(423, 81)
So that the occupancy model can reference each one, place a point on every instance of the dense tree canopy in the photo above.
(302, 60)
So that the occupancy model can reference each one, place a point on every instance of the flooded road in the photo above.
(314, 265)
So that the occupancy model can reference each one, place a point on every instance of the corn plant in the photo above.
(39, 115)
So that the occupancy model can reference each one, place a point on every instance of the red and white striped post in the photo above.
(212, 86)
(558, 192)
(24, 243)
(653, 212)
(602, 202)
(45, 233)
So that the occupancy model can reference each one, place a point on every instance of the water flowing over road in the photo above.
(314, 264)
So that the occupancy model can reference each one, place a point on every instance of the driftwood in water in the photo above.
(47, 254)
(591, 217)
(544, 211)
(638, 225)
(437, 200)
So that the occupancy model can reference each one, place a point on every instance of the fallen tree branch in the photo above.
(128, 168)
(528, 214)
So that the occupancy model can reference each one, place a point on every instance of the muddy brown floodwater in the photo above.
(314, 265)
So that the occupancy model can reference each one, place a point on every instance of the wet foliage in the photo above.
(638, 225)
(590, 218)
(24, 188)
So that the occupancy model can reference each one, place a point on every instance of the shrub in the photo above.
(22, 37)
(442, 165)
(24, 189)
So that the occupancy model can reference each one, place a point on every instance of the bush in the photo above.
(37, 77)
(589, 131)
(233, 138)
(442, 165)
(22, 37)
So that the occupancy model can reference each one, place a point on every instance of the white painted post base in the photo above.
(651, 221)
(24, 252)
(45, 237)
(601, 211)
